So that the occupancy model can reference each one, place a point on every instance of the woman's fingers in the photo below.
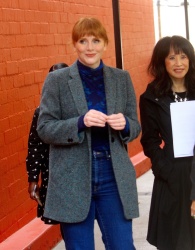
(95, 118)
(99, 119)
(116, 121)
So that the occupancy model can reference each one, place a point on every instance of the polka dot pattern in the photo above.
(37, 164)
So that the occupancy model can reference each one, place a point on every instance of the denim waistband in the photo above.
(101, 154)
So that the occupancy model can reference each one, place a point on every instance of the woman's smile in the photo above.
(90, 50)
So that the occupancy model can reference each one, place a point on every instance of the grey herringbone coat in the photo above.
(63, 102)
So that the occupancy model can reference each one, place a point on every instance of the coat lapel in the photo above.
(76, 88)
(78, 94)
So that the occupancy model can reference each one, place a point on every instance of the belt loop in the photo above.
(101, 154)
(94, 154)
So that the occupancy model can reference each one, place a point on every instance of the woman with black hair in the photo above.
(58, 66)
(171, 221)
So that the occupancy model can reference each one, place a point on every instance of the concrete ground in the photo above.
(144, 185)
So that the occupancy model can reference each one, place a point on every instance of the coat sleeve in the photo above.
(52, 127)
(38, 151)
(130, 113)
(151, 139)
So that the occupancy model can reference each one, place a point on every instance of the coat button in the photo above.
(112, 139)
(70, 140)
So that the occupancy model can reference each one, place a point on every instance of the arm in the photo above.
(151, 140)
(58, 118)
(131, 112)
(33, 169)
(127, 122)
(38, 154)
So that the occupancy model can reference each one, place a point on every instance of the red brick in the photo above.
(63, 18)
(23, 4)
(4, 124)
(7, 180)
(34, 5)
(5, 28)
(22, 130)
(7, 14)
(18, 15)
(18, 144)
(29, 16)
(3, 97)
(31, 39)
(10, 135)
(5, 110)
(25, 28)
(20, 40)
(1, 13)
(12, 68)
(2, 141)
(13, 95)
(16, 54)
(14, 28)
(29, 78)
(19, 107)
(22, 156)
(5, 223)
(18, 80)
(43, 63)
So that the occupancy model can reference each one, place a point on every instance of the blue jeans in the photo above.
(106, 208)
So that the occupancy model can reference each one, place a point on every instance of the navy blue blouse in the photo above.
(94, 88)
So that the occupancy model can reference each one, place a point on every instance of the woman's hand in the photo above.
(116, 121)
(33, 190)
(193, 209)
(95, 118)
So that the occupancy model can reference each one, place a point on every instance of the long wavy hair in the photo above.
(157, 69)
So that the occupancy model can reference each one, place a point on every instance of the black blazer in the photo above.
(174, 177)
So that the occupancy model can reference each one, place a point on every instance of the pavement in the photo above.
(144, 185)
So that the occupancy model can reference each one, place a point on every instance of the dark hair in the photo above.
(58, 66)
(157, 69)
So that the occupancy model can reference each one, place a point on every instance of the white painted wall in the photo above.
(169, 18)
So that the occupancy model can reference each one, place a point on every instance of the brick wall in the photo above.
(137, 27)
(33, 36)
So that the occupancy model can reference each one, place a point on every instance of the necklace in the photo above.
(178, 98)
